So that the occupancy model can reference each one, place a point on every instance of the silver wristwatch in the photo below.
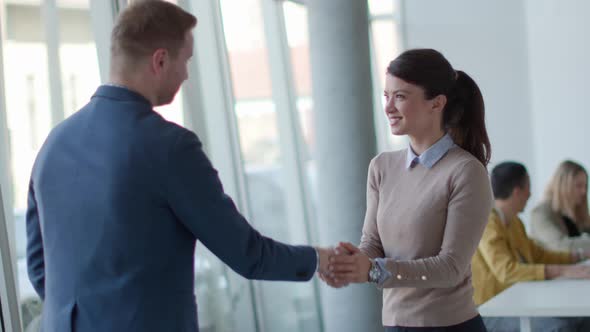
(374, 272)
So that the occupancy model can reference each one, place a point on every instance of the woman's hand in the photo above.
(332, 282)
(349, 264)
(327, 277)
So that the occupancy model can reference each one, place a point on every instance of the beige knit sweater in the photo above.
(427, 223)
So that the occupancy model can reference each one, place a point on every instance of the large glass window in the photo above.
(385, 46)
(77, 54)
(30, 116)
(296, 307)
(174, 111)
(381, 7)
(28, 99)
(298, 41)
(28, 119)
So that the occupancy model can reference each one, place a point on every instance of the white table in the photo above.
(551, 298)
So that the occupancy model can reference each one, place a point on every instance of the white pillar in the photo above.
(51, 20)
(343, 111)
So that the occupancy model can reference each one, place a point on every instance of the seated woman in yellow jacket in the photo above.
(506, 255)
(561, 220)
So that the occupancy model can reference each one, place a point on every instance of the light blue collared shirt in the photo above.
(431, 156)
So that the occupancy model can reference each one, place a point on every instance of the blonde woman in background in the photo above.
(561, 221)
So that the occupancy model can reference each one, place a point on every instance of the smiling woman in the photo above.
(443, 100)
(427, 206)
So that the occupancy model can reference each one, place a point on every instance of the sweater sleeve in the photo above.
(470, 202)
(370, 240)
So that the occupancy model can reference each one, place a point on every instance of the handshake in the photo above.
(343, 265)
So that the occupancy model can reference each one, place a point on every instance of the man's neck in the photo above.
(506, 209)
(134, 84)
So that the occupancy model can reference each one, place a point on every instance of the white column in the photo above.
(343, 111)
(51, 21)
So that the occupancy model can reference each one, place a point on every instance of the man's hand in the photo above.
(323, 268)
(324, 255)
(567, 271)
(353, 267)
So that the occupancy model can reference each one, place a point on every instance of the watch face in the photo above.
(374, 273)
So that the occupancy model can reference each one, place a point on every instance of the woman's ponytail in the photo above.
(464, 118)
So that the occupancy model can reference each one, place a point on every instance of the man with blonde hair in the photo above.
(118, 197)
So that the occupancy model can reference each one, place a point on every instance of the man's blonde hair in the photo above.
(147, 25)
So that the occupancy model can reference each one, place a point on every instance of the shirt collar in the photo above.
(502, 216)
(431, 156)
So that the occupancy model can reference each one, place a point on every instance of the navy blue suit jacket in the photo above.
(117, 199)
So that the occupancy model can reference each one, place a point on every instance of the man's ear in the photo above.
(516, 190)
(159, 59)
(438, 103)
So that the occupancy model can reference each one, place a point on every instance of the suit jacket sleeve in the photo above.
(35, 260)
(197, 198)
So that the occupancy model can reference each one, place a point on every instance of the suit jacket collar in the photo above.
(120, 93)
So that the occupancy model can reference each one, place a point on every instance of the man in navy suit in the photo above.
(118, 197)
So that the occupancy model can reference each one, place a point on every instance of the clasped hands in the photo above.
(343, 265)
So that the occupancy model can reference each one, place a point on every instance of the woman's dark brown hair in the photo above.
(464, 113)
